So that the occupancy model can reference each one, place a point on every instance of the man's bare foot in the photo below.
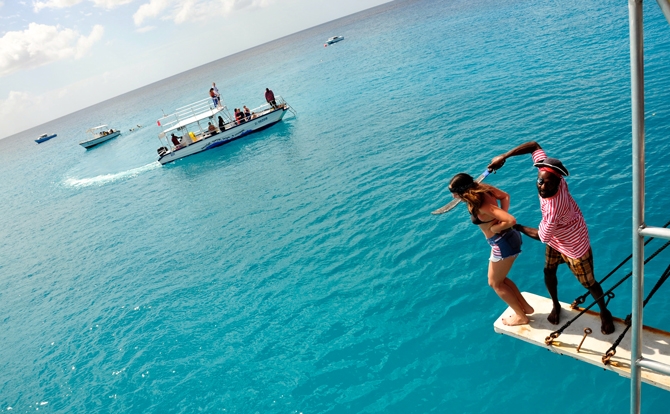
(515, 320)
(606, 322)
(554, 316)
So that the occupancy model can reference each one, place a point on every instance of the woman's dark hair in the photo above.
(469, 191)
(460, 183)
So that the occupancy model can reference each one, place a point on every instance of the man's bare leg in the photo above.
(606, 321)
(551, 282)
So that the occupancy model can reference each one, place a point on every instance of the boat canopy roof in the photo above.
(194, 118)
(98, 127)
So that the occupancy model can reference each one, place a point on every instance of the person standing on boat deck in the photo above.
(216, 92)
(176, 141)
(215, 98)
(247, 114)
(222, 125)
(270, 98)
(562, 229)
(497, 225)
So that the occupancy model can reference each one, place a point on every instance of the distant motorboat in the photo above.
(99, 135)
(45, 137)
(334, 39)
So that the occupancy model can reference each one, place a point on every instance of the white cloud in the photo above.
(145, 29)
(84, 44)
(61, 4)
(16, 103)
(18, 109)
(185, 11)
(42, 44)
(54, 4)
(110, 4)
(149, 10)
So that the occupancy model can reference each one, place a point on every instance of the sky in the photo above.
(59, 56)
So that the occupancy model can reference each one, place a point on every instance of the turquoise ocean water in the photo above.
(299, 270)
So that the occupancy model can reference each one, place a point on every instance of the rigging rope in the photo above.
(549, 339)
(612, 351)
(580, 299)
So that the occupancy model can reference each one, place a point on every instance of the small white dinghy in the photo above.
(656, 343)
(334, 39)
(99, 135)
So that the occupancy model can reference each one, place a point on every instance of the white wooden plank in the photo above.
(656, 343)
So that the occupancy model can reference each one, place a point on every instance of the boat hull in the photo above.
(40, 140)
(99, 140)
(225, 137)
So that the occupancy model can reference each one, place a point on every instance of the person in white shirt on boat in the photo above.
(214, 97)
(216, 92)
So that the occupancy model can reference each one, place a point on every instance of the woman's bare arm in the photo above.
(502, 196)
(504, 219)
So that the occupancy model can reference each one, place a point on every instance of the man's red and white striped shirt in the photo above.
(562, 226)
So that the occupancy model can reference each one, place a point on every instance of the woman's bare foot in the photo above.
(527, 309)
(515, 320)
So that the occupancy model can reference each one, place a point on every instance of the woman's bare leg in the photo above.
(497, 274)
(526, 306)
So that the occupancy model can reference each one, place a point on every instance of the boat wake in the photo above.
(108, 178)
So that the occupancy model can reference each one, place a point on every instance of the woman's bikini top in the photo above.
(477, 221)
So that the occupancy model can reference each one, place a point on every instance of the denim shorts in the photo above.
(507, 244)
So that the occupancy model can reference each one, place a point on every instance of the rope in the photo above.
(549, 339)
(612, 351)
(581, 299)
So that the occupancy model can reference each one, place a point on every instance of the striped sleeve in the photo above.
(538, 155)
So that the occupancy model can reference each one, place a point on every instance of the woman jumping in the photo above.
(496, 223)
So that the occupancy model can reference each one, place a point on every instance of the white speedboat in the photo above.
(99, 135)
(334, 39)
(198, 127)
(44, 137)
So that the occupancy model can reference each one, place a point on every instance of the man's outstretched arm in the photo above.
(528, 231)
(527, 148)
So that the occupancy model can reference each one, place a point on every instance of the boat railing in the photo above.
(184, 112)
(266, 107)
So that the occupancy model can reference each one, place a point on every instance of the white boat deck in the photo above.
(656, 343)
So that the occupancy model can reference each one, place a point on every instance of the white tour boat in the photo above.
(198, 127)
(334, 39)
(99, 135)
